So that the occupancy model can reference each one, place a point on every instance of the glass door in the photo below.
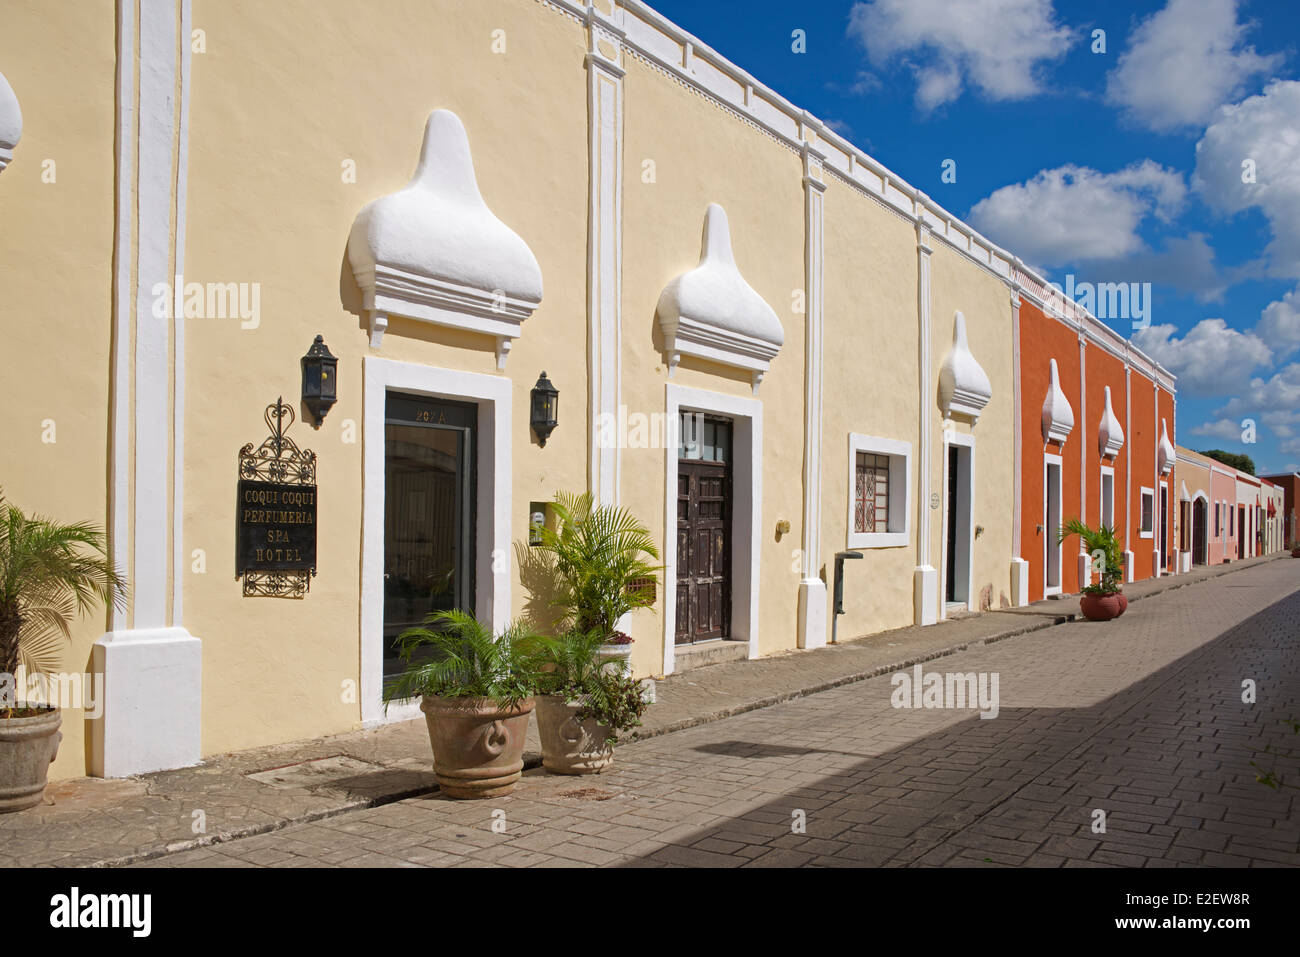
(429, 455)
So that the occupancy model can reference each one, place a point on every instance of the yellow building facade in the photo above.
(767, 345)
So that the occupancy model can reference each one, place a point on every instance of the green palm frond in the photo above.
(467, 660)
(1099, 542)
(603, 559)
(49, 574)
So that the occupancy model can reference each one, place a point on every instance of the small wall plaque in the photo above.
(275, 512)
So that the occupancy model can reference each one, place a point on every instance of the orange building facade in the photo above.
(1096, 426)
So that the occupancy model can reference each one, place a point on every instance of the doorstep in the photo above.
(701, 653)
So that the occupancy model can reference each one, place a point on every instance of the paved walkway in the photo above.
(220, 806)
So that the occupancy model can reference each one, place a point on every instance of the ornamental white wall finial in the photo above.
(711, 312)
(433, 251)
(1165, 455)
(1110, 437)
(964, 387)
(1058, 417)
(11, 122)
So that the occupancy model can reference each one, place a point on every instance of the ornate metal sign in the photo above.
(275, 515)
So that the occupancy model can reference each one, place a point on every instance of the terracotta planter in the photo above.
(1101, 607)
(27, 747)
(478, 746)
(1123, 602)
(1295, 552)
(570, 746)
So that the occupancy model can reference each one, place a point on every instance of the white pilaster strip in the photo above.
(925, 581)
(158, 55)
(179, 563)
(604, 245)
(812, 590)
(1019, 567)
(1083, 430)
(120, 427)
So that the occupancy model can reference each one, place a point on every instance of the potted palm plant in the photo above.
(475, 690)
(49, 573)
(1105, 599)
(583, 702)
(602, 558)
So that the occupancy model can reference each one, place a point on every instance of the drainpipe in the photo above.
(838, 608)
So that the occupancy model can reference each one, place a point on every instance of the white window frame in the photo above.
(1147, 532)
(900, 478)
(1106, 471)
(1049, 533)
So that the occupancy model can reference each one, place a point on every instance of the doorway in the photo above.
(1200, 540)
(1052, 526)
(704, 516)
(1241, 531)
(429, 513)
(958, 489)
(1164, 529)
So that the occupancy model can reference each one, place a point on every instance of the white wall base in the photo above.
(1019, 583)
(1155, 563)
(1128, 565)
(812, 613)
(1184, 562)
(1085, 570)
(153, 687)
(925, 595)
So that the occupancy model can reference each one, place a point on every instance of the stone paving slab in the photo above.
(89, 821)
(1141, 720)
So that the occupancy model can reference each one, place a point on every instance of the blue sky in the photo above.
(1171, 158)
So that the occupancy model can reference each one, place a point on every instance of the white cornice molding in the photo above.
(964, 388)
(11, 122)
(434, 252)
(1110, 437)
(1058, 417)
(712, 313)
(1165, 450)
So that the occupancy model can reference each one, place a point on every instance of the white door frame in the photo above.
(492, 517)
(1048, 532)
(746, 509)
(968, 442)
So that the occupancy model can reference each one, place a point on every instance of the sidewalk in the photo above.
(97, 822)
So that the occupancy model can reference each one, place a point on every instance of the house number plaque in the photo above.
(275, 512)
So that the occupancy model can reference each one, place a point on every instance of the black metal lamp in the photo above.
(319, 379)
(545, 409)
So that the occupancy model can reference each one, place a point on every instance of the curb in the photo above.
(532, 761)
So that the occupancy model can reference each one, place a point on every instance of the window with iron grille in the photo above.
(871, 504)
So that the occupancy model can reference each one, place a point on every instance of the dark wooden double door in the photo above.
(703, 551)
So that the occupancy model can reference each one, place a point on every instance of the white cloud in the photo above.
(1279, 394)
(1212, 359)
(1073, 213)
(1279, 325)
(1226, 429)
(995, 45)
(1264, 129)
(1183, 62)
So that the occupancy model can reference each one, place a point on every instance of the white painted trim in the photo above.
(746, 516)
(120, 362)
(11, 123)
(923, 252)
(812, 624)
(900, 476)
(1017, 439)
(604, 250)
(950, 439)
(492, 394)
(1142, 492)
(1106, 470)
(179, 560)
(1049, 533)
(155, 187)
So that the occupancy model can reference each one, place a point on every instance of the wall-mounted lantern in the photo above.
(319, 379)
(545, 409)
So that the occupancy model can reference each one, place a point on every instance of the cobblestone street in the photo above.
(1141, 719)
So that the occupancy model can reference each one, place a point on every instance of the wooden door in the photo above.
(703, 551)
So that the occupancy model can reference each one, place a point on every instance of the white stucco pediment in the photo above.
(11, 122)
(1165, 451)
(434, 252)
(1110, 437)
(1058, 417)
(712, 313)
(964, 388)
